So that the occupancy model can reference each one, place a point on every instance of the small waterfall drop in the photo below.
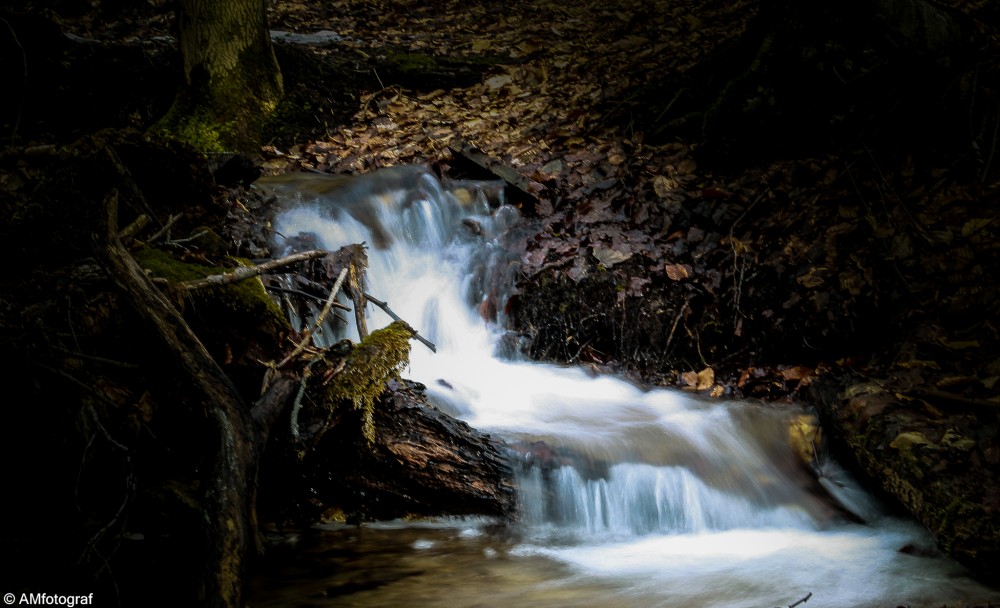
(667, 499)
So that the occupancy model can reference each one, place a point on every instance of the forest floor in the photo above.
(869, 264)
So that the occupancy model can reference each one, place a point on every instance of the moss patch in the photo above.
(213, 312)
(379, 358)
(199, 129)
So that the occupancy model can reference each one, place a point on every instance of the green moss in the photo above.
(379, 358)
(245, 303)
(198, 129)
(161, 264)
(410, 62)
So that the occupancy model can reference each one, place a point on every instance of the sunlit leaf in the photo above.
(676, 272)
(706, 378)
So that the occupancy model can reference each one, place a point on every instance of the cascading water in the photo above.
(633, 497)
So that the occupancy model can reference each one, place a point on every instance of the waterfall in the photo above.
(681, 501)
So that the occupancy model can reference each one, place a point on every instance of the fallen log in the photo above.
(931, 457)
(525, 190)
(422, 462)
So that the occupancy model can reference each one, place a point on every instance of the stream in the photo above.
(637, 497)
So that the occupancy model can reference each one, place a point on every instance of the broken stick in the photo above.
(247, 272)
(395, 317)
(307, 334)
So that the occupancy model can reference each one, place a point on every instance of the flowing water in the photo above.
(629, 497)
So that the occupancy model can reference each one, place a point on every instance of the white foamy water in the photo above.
(636, 497)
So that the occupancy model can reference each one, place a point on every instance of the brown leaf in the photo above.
(706, 378)
(609, 257)
(663, 185)
(796, 373)
(690, 379)
(676, 272)
(616, 158)
(687, 166)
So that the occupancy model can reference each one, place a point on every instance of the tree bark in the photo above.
(422, 462)
(232, 81)
(229, 496)
(927, 460)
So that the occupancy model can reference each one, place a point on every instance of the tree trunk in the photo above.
(232, 81)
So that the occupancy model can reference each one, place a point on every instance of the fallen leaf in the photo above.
(796, 373)
(608, 256)
(687, 166)
(690, 379)
(676, 271)
(706, 378)
(905, 441)
(498, 81)
(663, 185)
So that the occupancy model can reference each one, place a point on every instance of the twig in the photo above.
(247, 272)
(24, 91)
(358, 296)
(395, 317)
(307, 338)
(673, 327)
(802, 601)
(297, 404)
(299, 292)
(196, 235)
(79, 355)
(170, 222)
(130, 231)
(934, 393)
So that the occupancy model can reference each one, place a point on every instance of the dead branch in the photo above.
(300, 293)
(395, 317)
(159, 233)
(307, 334)
(229, 496)
(247, 272)
(802, 601)
(528, 187)
(297, 404)
(132, 229)
(193, 237)
(358, 296)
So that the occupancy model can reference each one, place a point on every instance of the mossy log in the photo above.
(935, 459)
(421, 462)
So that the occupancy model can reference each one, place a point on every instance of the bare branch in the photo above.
(307, 338)
(303, 294)
(247, 272)
(395, 317)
